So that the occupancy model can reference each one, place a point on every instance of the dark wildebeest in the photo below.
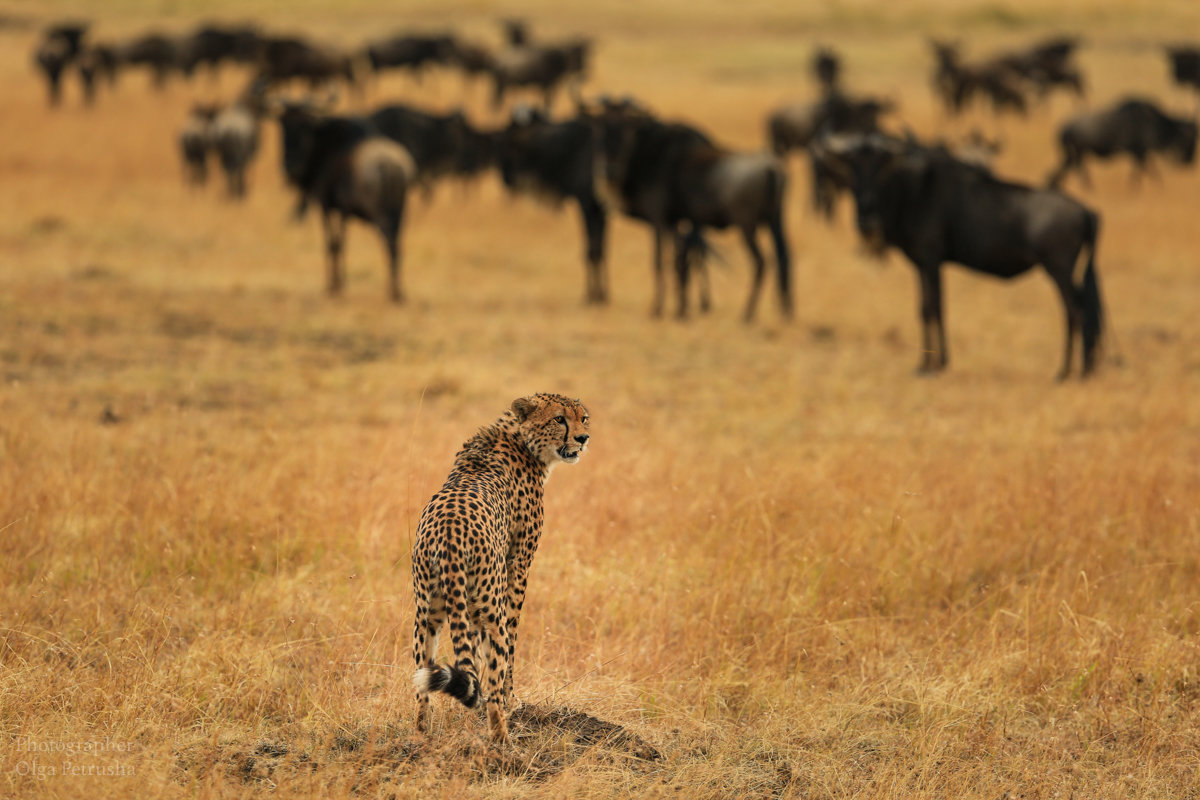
(284, 58)
(797, 126)
(439, 144)
(540, 66)
(214, 43)
(59, 47)
(516, 32)
(196, 142)
(349, 170)
(97, 60)
(677, 179)
(234, 134)
(413, 52)
(958, 83)
(555, 162)
(1185, 65)
(157, 51)
(827, 70)
(1044, 65)
(935, 209)
(1135, 126)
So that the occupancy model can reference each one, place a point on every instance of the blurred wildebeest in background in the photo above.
(472, 58)
(1185, 65)
(935, 209)
(439, 144)
(284, 58)
(196, 142)
(412, 52)
(1135, 125)
(1045, 65)
(827, 70)
(555, 161)
(516, 32)
(676, 178)
(349, 170)
(540, 66)
(957, 83)
(214, 43)
(60, 45)
(234, 133)
(798, 125)
(97, 60)
(159, 52)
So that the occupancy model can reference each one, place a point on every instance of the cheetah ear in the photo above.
(523, 407)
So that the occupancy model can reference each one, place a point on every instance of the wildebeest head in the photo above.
(476, 149)
(514, 145)
(298, 120)
(864, 162)
(615, 123)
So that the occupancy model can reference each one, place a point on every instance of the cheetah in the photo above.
(475, 542)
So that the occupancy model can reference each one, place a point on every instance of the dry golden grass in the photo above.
(787, 564)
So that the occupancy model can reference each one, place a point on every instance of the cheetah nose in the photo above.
(582, 438)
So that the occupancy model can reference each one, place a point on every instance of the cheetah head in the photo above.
(553, 427)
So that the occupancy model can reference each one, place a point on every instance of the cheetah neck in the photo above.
(497, 444)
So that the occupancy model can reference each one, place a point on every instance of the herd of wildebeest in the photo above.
(935, 201)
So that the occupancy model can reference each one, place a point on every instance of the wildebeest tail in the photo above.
(1089, 296)
(458, 683)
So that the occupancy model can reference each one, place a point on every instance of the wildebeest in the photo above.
(673, 176)
(540, 66)
(797, 125)
(234, 133)
(439, 144)
(59, 47)
(1185, 65)
(1047, 64)
(284, 58)
(957, 83)
(158, 51)
(1135, 125)
(214, 43)
(410, 51)
(935, 209)
(827, 69)
(97, 60)
(196, 142)
(555, 161)
(349, 170)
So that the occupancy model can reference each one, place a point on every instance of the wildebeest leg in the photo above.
(681, 273)
(335, 234)
(748, 236)
(391, 241)
(1061, 274)
(659, 278)
(783, 265)
(594, 223)
(933, 354)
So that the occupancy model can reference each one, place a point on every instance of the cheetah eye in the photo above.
(560, 419)
(585, 420)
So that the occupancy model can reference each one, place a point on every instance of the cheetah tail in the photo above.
(459, 684)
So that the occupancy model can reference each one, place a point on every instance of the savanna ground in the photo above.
(787, 566)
